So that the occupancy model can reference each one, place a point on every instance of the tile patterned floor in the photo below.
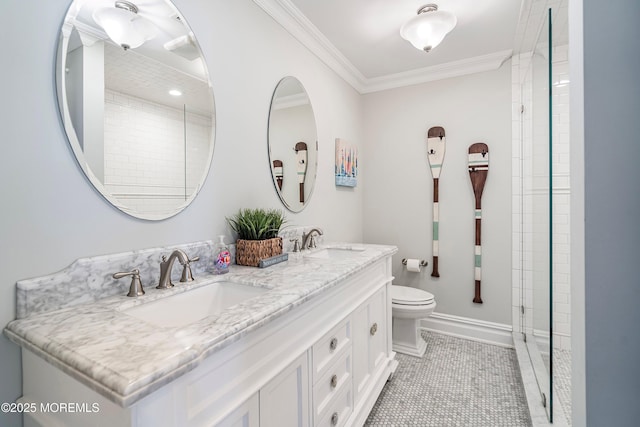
(457, 383)
(561, 379)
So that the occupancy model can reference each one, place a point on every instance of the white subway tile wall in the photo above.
(529, 193)
(157, 159)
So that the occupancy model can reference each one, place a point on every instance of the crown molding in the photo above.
(294, 22)
(477, 64)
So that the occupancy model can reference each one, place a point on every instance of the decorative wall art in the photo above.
(435, 154)
(346, 169)
(478, 171)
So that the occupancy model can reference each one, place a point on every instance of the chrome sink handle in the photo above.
(135, 290)
(187, 276)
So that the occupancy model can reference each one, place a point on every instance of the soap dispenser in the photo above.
(222, 257)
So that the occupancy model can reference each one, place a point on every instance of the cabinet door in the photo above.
(284, 401)
(246, 415)
(369, 339)
(377, 330)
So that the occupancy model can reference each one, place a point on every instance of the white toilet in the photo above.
(408, 306)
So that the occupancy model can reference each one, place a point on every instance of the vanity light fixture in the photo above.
(426, 30)
(175, 92)
(123, 25)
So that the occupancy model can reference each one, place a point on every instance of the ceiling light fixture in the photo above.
(426, 30)
(175, 92)
(123, 25)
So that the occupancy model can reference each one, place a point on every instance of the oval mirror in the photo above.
(293, 146)
(136, 103)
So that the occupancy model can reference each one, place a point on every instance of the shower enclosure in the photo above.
(542, 265)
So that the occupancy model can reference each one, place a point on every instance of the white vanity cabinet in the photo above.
(284, 401)
(246, 415)
(332, 379)
(369, 342)
(321, 363)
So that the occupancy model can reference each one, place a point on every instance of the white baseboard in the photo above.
(472, 329)
(542, 341)
(561, 341)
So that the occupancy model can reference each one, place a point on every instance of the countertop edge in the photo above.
(135, 390)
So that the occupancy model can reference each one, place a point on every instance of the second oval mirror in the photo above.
(293, 147)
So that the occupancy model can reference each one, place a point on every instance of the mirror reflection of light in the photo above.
(175, 92)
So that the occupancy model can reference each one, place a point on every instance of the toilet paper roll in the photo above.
(413, 265)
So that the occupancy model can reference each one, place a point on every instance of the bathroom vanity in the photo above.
(308, 343)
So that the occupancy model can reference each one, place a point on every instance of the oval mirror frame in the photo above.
(292, 144)
(139, 120)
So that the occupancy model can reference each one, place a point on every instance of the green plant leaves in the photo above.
(257, 224)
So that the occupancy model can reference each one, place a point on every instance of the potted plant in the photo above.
(257, 231)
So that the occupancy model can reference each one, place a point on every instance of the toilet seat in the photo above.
(405, 295)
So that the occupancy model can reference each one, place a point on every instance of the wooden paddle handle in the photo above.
(435, 156)
(478, 254)
(277, 170)
(436, 227)
(478, 170)
(301, 154)
(477, 298)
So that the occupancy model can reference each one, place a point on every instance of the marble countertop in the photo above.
(125, 359)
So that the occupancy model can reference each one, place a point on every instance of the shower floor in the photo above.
(458, 382)
(561, 379)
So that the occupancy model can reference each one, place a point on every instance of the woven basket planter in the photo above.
(250, 252)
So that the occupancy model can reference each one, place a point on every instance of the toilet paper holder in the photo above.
(423, 263)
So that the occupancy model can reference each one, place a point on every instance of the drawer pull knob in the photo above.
(334, 381)
(334, 419)
(373, 329)
(333, 344)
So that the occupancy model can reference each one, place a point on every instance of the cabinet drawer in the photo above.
(335, 380)
(330, 346)
(338, 411)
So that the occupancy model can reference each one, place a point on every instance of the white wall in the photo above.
(399, 188)
(52, 215)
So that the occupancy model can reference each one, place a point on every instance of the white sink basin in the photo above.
(335, 253)
(191, 306)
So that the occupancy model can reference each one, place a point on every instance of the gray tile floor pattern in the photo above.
(561, 379)
(458, 382)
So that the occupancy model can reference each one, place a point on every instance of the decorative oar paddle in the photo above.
(478, 171)
(278, 172)
(301, 154)
(435, 154)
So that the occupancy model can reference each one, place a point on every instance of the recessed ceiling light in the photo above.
(175, 92)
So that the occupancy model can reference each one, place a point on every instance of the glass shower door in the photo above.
(537, 214)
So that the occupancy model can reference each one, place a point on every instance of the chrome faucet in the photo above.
(167, 264)
(308, 240)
